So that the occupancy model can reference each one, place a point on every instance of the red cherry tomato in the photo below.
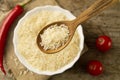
(103, 43)
(95, 67)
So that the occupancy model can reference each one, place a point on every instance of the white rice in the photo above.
(54, 36)
(26, 42)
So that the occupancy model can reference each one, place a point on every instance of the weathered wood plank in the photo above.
(106, 23)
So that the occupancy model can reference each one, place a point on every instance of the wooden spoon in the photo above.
(98, 6)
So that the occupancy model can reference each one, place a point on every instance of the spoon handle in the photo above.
(98, 6)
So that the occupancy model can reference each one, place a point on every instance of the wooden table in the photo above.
(106, 23)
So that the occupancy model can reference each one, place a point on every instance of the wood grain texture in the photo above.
(106, 23)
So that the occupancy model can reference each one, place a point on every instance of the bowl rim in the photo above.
(25, 63)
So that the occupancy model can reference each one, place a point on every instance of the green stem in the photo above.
(25, 3)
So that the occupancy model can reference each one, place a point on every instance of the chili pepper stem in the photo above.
(25, 3)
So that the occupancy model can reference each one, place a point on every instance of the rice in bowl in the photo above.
(26, 47)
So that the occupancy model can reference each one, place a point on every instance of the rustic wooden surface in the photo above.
(106, 23)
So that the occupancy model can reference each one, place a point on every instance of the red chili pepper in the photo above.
(4, 28)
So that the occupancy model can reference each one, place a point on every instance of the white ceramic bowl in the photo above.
(69, 15)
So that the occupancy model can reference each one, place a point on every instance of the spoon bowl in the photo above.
(73, 24)
(71, 31)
